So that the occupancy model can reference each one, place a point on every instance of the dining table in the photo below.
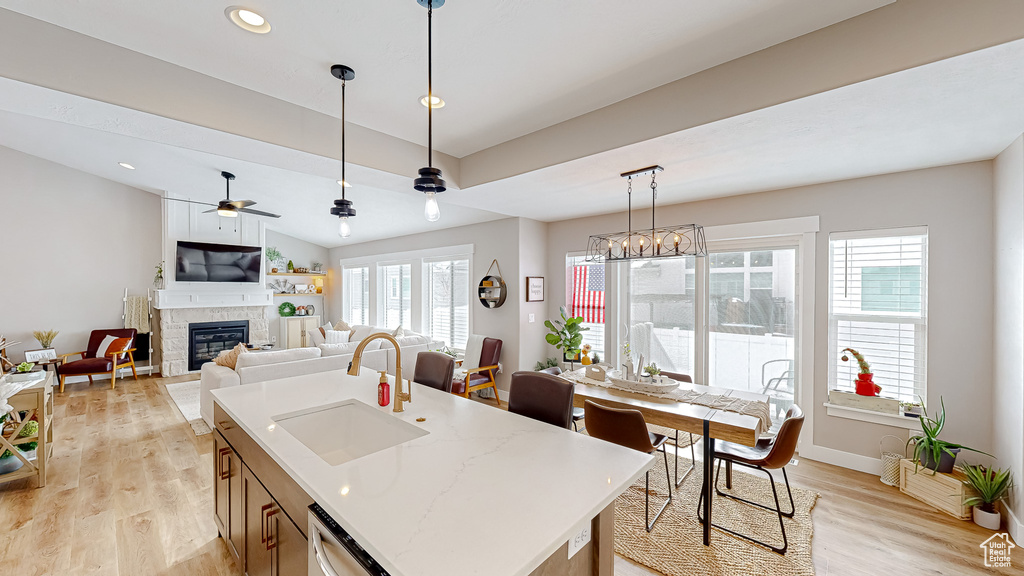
(711, 423)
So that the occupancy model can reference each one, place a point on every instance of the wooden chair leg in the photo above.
(134, 373)
(496, 397)
(62, 383)
(90, 379)
(113, 377)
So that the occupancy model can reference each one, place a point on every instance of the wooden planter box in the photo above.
(947, 492)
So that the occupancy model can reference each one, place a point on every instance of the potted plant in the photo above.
(158, 278)
(545, 364)
(566, 334)
(912, 409)
(930, 452)
(8, 461)
(291, 267)
(992, 484)
(317, 266)
(273, 257)
(45, 337)
(651, 371)
(596, 359)
(864, 384)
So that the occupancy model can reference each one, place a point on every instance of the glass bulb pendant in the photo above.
(431, 210)
(344, 230)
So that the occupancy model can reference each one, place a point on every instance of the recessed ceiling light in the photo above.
(247, 19)
(126, 165)
(344, 183)
(435, 100)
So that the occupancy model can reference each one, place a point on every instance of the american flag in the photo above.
(588, 293)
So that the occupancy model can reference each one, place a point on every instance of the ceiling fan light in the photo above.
(227, 213)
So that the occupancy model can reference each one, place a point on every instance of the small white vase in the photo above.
(990, 520)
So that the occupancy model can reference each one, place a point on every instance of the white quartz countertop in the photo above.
(484, 492)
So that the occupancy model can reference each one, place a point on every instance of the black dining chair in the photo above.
(628, 428)
(543, 397)
(769, 454)
(577, 413)
(434, 369)
(678, 377)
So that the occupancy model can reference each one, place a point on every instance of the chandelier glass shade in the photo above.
(647, 243)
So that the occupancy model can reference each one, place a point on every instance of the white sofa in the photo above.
(255, 367)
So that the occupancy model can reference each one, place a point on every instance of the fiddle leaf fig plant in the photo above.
(566, 334)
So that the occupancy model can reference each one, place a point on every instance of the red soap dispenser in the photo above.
(383, 390)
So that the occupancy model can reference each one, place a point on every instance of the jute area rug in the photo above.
(676, 546)
(186, 398)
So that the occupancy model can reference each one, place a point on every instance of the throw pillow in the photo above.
(316, 337)
(229, 358)
(101, 350)
(118, 345)
(342, 325)
(337, 336)
(399, 332)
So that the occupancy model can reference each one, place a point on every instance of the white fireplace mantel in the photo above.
(221, 298)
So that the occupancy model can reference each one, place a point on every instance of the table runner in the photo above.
(756, 408)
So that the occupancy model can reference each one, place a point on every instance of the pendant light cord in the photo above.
(430, 85)
(343, 181)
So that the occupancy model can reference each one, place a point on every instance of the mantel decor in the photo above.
(492, 290)
(649, 243)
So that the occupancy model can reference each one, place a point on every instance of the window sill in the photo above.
(897, 421)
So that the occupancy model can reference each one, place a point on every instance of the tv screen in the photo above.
(202, 262)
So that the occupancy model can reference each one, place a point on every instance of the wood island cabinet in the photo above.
(259, 511)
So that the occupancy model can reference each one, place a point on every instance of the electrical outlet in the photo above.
(273, 339)
(533, 318)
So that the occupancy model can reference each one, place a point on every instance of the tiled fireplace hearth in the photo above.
(174, 331)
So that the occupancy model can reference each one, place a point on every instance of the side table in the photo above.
(37, 401)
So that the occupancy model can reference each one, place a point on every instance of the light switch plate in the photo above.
(577, 542)
(533, 317)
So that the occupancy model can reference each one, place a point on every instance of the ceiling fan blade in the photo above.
(210, 211)
(241, 203)
(259, 212)
(188, 201)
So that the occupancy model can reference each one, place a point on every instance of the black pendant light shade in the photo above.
(342, 206)
(429, 180)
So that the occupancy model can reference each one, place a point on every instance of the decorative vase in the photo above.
(865, 386)
(585, 361)
(990, 520)
(946, 461)
(273, 270)
(10, 464)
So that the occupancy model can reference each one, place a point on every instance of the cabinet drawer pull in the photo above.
(224, 424)
(271, 538)
(225, 471)
(263, 522)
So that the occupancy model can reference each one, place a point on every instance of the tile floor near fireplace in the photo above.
(208, 339)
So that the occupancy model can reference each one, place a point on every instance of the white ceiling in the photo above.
(957, 110)
(494, 61)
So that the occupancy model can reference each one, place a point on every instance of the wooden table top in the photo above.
(729, 426)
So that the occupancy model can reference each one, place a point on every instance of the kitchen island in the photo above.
(474, 490)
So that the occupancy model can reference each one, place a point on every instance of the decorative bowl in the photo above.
(659, 387)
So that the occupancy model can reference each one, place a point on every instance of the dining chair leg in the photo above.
(777, 510)
(792, 507)
(728, 474)
(693, 461)
(647, 494)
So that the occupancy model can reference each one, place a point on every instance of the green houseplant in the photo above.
(930, 452)
(273, 256)
(992, 485)
(566, 334)
(545, 364)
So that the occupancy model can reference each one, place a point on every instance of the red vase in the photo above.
(865, 386)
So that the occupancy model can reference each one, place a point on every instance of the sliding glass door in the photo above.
(662, 313)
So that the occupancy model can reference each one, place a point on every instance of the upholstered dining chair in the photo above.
(628, 428)
(94, 362)
(543, 397)
(481, 376)
(577, 413)
(679, 377)
(769, 454)
(434, 369)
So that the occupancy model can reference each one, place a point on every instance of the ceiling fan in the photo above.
(227, 207)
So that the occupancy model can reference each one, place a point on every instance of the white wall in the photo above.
(533, 247)
(1008, 392)
(955, 202)
(72, 243)
(302, 254)
(498, 239)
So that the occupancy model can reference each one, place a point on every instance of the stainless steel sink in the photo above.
(346, 430)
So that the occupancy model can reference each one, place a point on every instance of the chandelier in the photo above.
(646, 243)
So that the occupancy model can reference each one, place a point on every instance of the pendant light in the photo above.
(343, 207)
(651, 243)
(430, 182)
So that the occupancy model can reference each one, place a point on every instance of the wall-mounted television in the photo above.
(203, 262)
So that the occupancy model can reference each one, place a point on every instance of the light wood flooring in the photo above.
(130, 493)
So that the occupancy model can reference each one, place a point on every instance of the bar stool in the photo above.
(628, 428)
(577, 413)
(434, 369)
(542, 397)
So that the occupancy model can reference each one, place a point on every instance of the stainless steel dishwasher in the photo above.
(333, 552)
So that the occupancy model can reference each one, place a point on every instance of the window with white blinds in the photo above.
(447, 290)
(394, 296)
(878, 305)
(355, 294)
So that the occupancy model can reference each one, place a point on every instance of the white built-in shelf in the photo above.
(276, 295)
(296, 274)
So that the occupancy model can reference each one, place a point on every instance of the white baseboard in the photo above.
(835, 457)
(121, 373)
(1013, 525)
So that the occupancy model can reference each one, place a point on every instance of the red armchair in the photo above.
(90, 365)
(482, 377)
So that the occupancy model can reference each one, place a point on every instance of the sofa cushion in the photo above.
(342, 325)
(337, 337)
(347, 348)
(403, 341)
(86, 366)
(361, 331)
(276, 356)
(316, 337)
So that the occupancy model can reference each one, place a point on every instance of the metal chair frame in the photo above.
(775, 494)
(647, 493)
